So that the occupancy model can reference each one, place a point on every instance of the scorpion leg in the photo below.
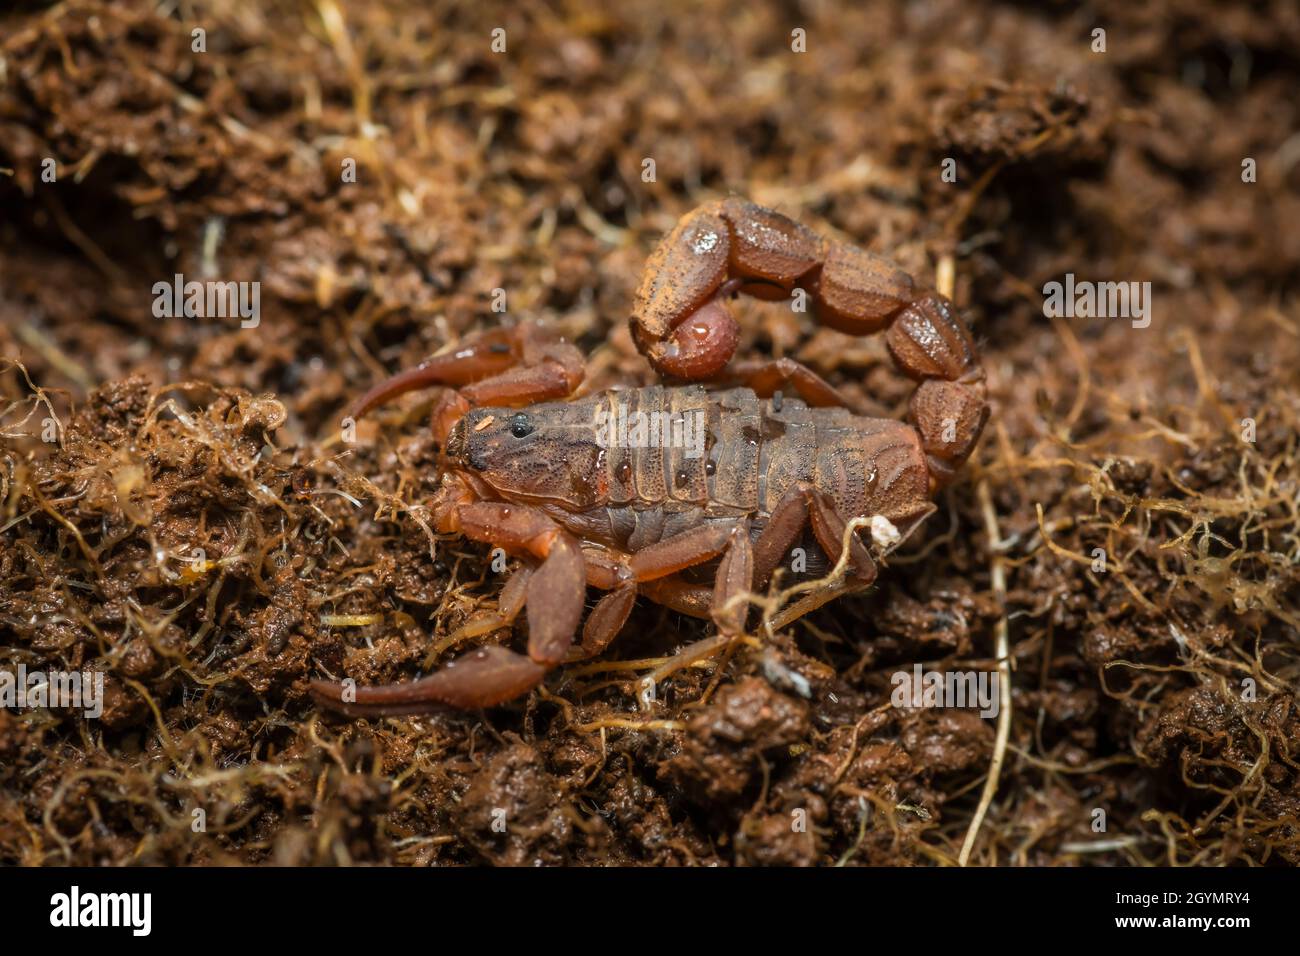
(490, 675)
(606, 620)
(735, 577)
(624, 576)
(804, 505)
(767, 377)
(556, 590)
(696, 546)
(513, 366)
(696, 600)
(684, 597)
(829, 528)
(510, 603)
(743, 566)
(783, 528)
(801, 506)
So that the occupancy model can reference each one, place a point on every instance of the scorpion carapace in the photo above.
(728, 484)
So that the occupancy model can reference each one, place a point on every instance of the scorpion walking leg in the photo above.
(829, 528)
(684, 597)
(766, 378)
(735, 577)
(744, 565)
(801, 506)
(510, 603)
(697, 599)
(494, 674)
(783, 528)
(641, 571)
(606, 620)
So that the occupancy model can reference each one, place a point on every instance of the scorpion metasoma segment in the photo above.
(528, 469)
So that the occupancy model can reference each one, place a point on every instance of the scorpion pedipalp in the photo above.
(505, 366)
(492, 674)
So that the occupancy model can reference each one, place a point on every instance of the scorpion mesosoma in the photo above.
(525, 470)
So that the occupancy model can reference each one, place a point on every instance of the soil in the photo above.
(179, 512)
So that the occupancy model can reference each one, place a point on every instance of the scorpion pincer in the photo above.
(527, 468)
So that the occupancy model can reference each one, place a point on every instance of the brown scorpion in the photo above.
(533, 474)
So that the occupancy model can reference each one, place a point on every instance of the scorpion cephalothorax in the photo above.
(531, 470)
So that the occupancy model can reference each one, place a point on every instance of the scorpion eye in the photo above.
(520, 426)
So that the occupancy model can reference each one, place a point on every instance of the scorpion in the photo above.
(525, 469)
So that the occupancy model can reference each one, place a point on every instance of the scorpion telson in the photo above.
(526, 470)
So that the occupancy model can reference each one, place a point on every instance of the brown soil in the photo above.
(1160, 690)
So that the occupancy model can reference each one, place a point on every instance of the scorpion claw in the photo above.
(493, 674)
(507, 366)
(556, 596)
(481, 678)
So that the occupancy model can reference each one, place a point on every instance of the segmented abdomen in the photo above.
(729, 453)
